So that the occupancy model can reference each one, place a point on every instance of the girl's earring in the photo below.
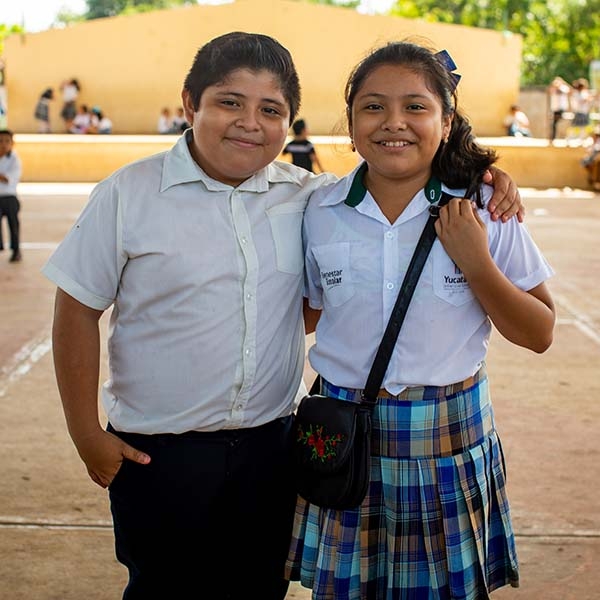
(352, 146)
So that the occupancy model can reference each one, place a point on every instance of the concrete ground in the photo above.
(55, 534)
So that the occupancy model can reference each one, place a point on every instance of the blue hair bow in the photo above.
(448, 63)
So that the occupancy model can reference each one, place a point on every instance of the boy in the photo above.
(10, 174)
(302, 150)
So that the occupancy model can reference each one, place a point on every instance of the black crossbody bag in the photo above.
(332, 441)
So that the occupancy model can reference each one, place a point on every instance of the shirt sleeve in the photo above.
(88, 263)
(516, 254)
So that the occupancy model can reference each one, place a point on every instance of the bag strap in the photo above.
(386, 347)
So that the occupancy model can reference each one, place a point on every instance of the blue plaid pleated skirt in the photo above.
(435, 524)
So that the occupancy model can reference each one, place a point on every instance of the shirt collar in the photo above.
(358, 190)
(180, 167)
(354, 191)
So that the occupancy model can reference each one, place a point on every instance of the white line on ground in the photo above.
(55, 189)
(23, 361)
(38, 245)
(579, 319)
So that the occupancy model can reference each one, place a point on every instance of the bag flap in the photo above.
(325, 429)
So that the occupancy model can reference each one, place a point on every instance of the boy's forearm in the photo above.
(76, 350)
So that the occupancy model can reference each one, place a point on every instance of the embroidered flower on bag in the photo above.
(322, 447)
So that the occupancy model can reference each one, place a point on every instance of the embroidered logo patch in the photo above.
(332, 278)
(452, 283)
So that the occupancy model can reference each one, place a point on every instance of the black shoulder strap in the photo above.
(386, 347)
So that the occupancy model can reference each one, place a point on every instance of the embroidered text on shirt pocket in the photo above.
(334, 266)
(449, 283)
(286, 227)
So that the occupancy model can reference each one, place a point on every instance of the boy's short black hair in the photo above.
(239, 50)
(299, 126)
(6, 132)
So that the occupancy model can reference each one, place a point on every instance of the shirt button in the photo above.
(389, 285)
(239, 407)
(389, 235)
(244, 240)
(248, 296)
(248, 352)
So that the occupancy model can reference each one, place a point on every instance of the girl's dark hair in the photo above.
(238, 50)
(460, 162)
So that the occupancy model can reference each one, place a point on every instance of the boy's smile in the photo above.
(240, 125)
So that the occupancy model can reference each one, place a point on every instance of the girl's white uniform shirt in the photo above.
(355, 263)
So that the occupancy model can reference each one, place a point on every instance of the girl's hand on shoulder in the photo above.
(462, 233)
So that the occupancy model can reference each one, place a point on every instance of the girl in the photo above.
(435, 523)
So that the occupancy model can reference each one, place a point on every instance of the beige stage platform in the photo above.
(64, 158)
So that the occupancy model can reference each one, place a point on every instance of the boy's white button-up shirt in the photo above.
(355, 263)
(205, 281)
(10, 167)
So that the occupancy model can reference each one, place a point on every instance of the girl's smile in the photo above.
(397, 123)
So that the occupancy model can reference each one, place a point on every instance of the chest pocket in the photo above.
(334, 267)
(286, 227)
(449, 283)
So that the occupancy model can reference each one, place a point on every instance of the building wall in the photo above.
(133, 65)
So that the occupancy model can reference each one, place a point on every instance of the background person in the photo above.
(591, 161)
(301, 149)
(70, 93)
(42, 111)
(581, 102)
(99, 122)
(82, 121)
(164, 124)
(517, 122)
(179, 123)
(558, 92)
(10, 175)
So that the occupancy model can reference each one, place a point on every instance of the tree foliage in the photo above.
(97, 9)
(5, 31)
(560, 37)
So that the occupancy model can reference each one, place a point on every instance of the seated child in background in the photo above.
(82, 121)
(517, 123)
(591, 161)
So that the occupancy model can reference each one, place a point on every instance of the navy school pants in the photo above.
(9, 207)
(209, 518)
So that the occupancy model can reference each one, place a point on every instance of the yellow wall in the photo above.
(133, 65)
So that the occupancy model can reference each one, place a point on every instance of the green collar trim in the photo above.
(433, 190)
(357, 190)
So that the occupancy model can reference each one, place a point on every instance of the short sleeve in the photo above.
(88, 263)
